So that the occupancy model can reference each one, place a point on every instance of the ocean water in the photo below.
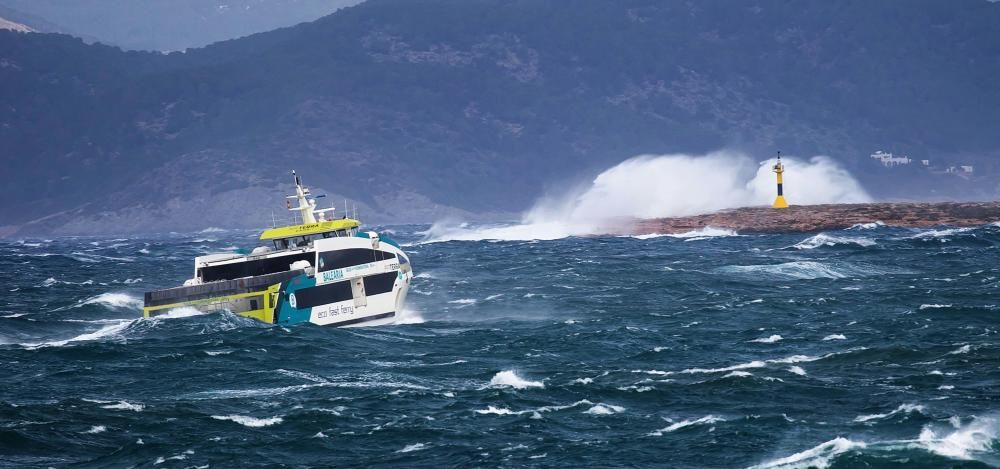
(868, 347)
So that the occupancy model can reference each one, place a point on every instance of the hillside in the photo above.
(426, 108)
(165, 25)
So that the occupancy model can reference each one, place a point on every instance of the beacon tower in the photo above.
(778, 169)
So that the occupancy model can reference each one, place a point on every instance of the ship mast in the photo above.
(306, 206)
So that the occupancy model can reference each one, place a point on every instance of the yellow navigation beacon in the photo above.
(778, 169)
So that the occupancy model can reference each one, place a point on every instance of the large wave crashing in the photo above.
(655, 186)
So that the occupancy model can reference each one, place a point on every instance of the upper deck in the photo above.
(306, 229)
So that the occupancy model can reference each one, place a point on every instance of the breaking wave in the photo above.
(247, 421)
(106, 332)
(706, 420)
(114, 300)
(635, 188)
(511, 379)
(824, 239)
(693, 235)
(768, 340)
(974, 441)
(902, 409)
(799, 270)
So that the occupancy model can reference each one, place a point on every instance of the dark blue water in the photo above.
(864, 348)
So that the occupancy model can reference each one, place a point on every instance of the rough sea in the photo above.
(868, 347)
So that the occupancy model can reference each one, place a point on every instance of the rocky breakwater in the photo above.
(805, 218)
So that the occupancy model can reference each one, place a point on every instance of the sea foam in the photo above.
(511, 379)
(247, 421)
(902, 409)
(823, 239)
(819, 456)
(706, 420)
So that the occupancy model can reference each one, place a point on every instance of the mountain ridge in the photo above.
(475, 108)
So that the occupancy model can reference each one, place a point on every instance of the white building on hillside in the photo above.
(888, 160)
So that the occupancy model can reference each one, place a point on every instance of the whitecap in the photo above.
(180, 312)
(108, 331)
(797, 370)
(819, 456)
(125, 405)
(413, 447)
(535, 413)
(250, 421)
(706, 420)
(647, 236)
(866, 226)
(114, 300)
(706, 232)
(824, 239)
(636, 388)
(511, 379)
(800, 270)
(939, 233)
(963, 349)
(693, 235)
(979, 436)
(741, 366)
(934, 306)
(835, 337)
(738, 374)
(96, 429)
(604, 409)
(463, 301)
(91, 258)
(495, 411)
(902, 409)
(768, 340)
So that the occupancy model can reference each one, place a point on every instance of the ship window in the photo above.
(323, 294)
(267, 265)
(332, 260)
(381, 283)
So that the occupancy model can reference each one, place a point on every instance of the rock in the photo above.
(807, 218)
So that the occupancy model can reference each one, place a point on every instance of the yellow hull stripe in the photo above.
(310, 228)
(265, 314)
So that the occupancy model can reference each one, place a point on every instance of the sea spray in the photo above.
(656, 186)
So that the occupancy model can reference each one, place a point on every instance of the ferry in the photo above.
(324, 270)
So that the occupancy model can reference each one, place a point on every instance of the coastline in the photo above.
(814, 218)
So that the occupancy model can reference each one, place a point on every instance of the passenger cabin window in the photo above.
(252, 268)
(332, 260)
